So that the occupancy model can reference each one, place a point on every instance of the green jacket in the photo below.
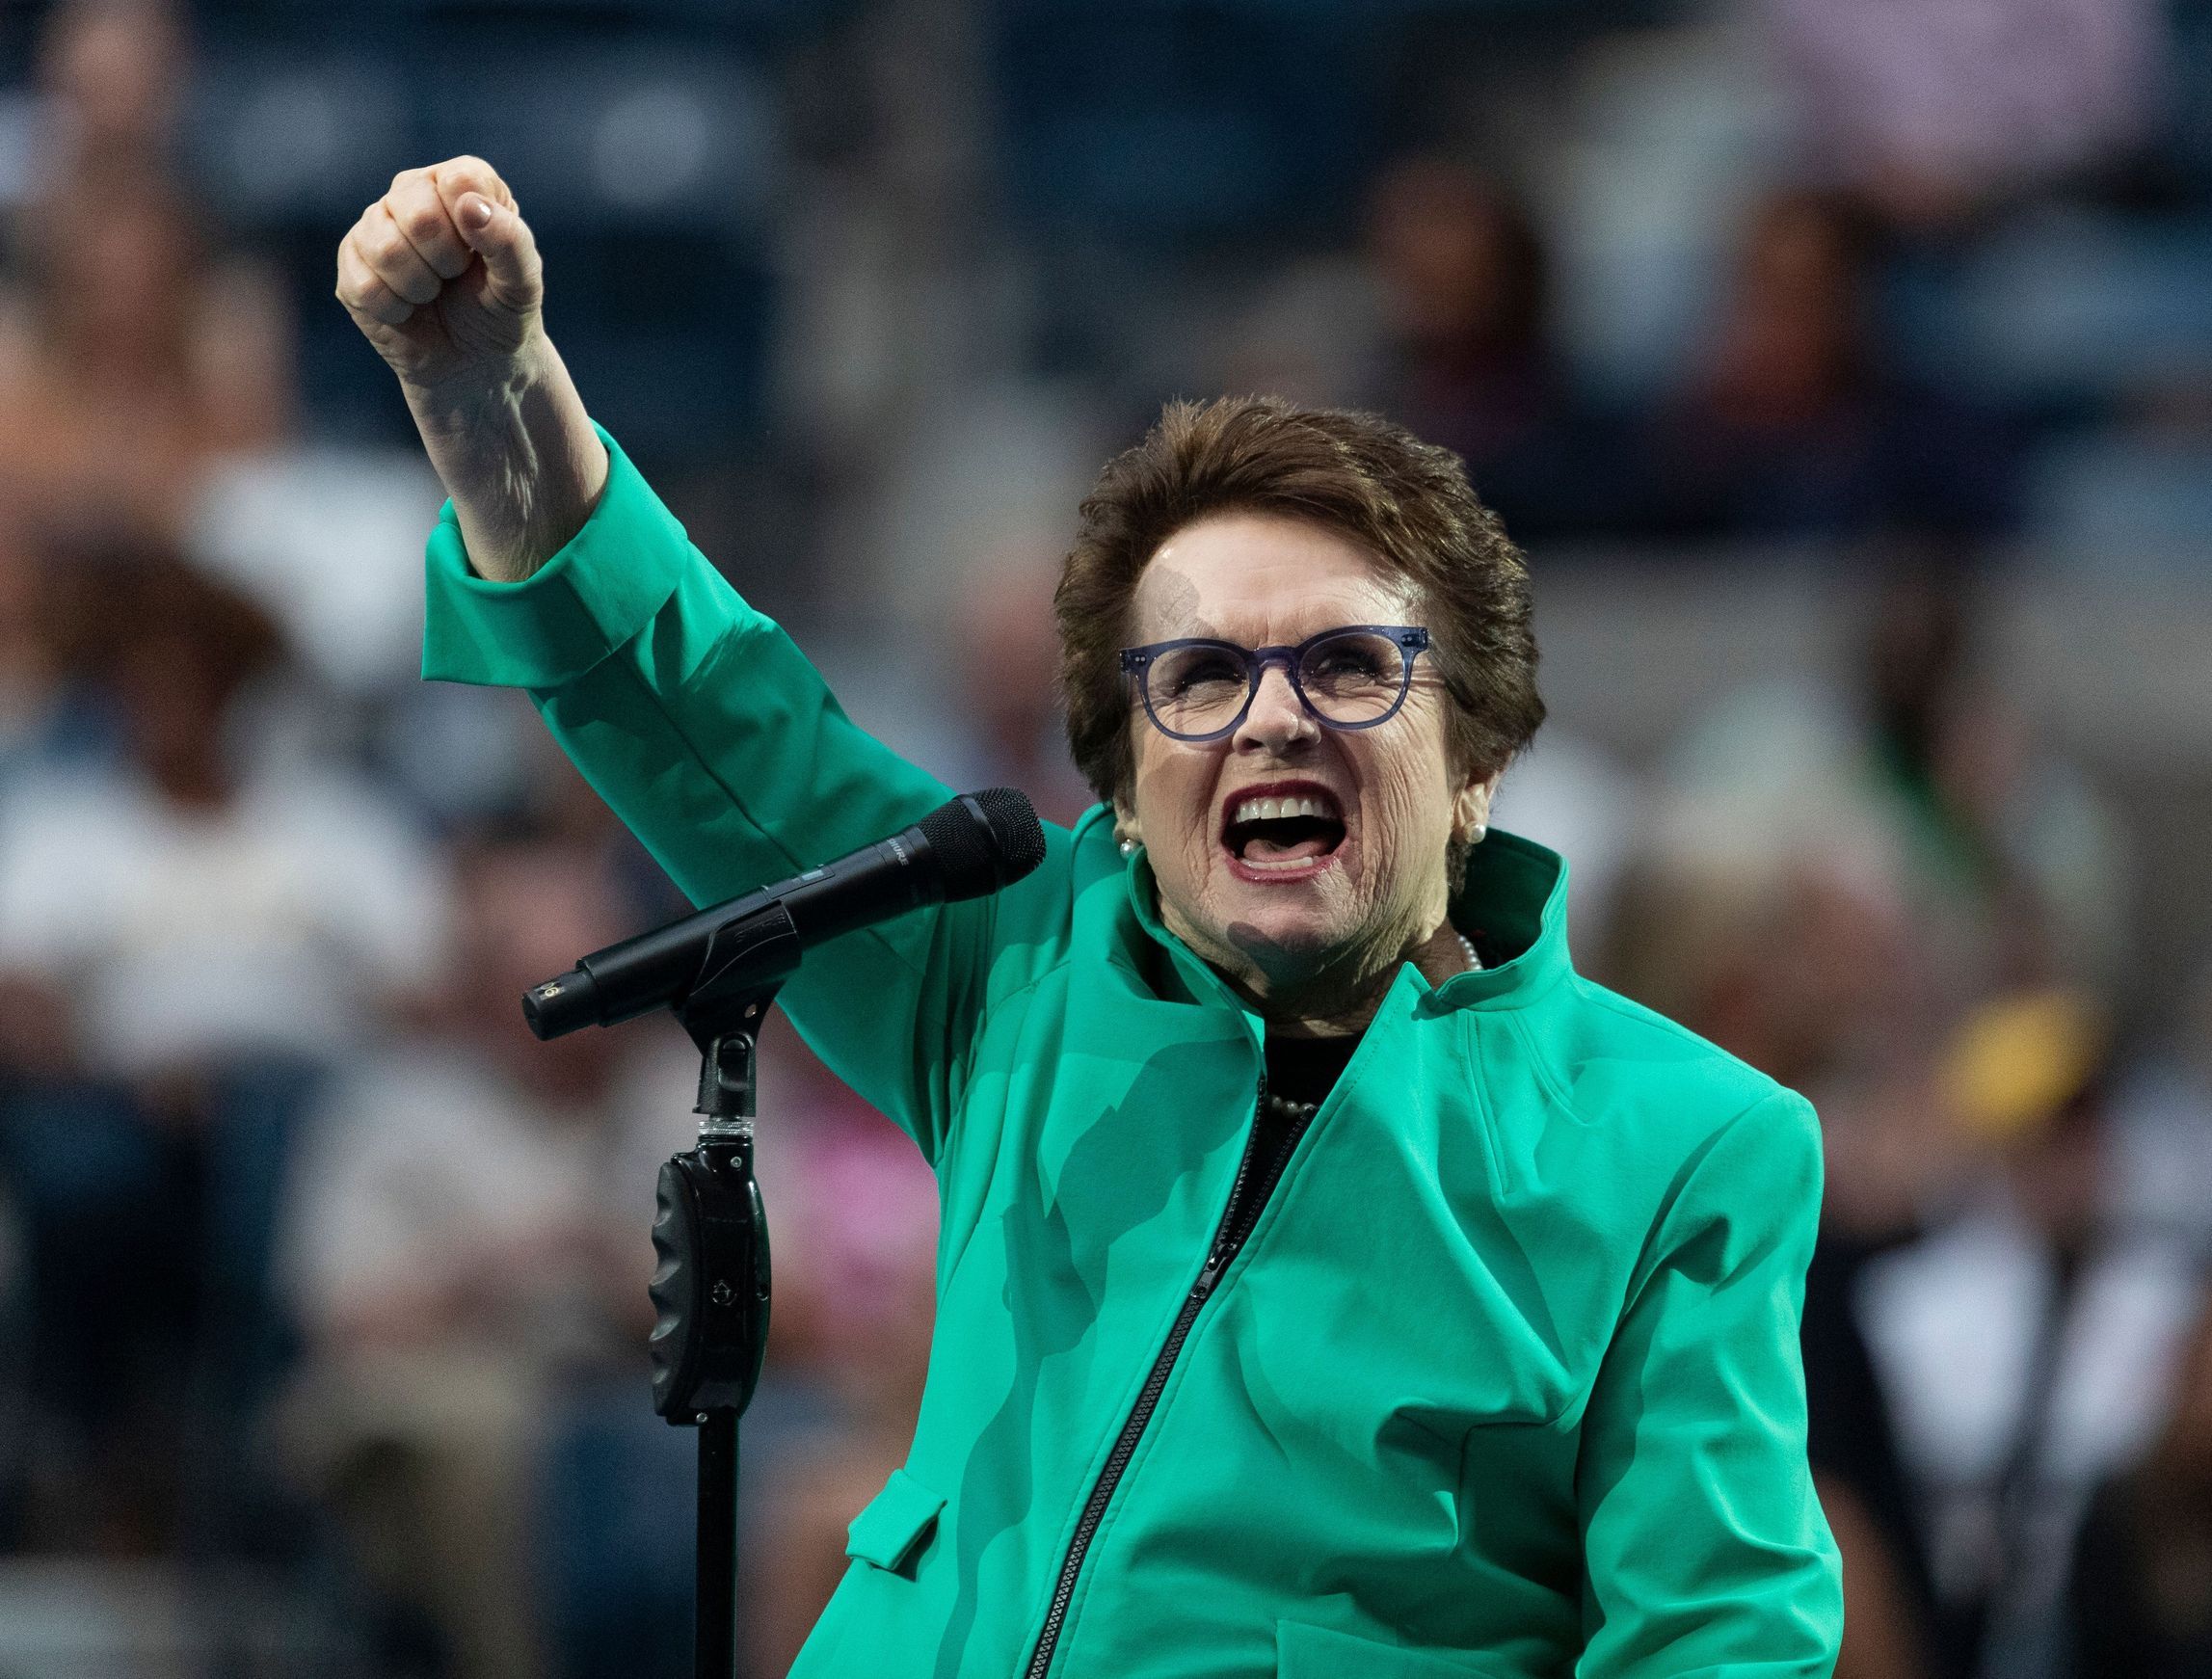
(1505, 1379)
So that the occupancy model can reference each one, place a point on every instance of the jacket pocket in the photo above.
(891, 1531)
(1308, 1652)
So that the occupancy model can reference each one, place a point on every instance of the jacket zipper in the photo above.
(1227, 1244)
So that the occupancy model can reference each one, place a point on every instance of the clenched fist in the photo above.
(442, 275)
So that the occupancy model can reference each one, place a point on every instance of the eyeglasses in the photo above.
(1197, 688)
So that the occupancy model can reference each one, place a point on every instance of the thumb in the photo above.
(504, 241)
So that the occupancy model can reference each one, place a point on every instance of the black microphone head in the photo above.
(984, 840)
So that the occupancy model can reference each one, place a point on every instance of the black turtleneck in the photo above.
(1298, 1070)
(1307, 1068)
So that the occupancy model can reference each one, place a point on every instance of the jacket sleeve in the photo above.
(709, 734)
(1705, 1550)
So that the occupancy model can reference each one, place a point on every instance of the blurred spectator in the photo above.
(210, 896)
(130, 356)
(1935, 106)
(2142, 1582)
(1471, 361)
(187, 937)
(2030, 1342)
(113, 75)
(1913, 794)
(1795, 427)
(466, 1237)
(2006, 830)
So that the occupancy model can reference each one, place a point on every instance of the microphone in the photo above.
(965, 848)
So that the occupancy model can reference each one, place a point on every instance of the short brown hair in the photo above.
(1405, 502)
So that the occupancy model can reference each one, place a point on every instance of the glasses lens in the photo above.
(1195, 690)
(1353, 678)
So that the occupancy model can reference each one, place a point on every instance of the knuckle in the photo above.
(422, 222)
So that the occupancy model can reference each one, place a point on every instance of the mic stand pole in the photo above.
(711, 1238)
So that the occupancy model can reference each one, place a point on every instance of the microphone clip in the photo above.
(745, 965)
(711, 1230)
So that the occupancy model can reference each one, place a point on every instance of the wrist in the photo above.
(447, 408)
(517, 454)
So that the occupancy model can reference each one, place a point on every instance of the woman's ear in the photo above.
(1471, 808)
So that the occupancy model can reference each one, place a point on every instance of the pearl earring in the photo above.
(1127, 846)
(1475, 834)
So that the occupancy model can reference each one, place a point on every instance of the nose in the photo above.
(1276, 720)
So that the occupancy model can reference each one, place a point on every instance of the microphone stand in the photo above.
(711, 1236)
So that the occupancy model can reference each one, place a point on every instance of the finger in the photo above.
(363, 293)
(394, 259)
(468, 173)
(422, 217)
(458, 177)
(512, 268)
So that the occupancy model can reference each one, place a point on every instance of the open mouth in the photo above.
(1283, 831)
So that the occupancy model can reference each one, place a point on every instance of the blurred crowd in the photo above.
(322, 1282)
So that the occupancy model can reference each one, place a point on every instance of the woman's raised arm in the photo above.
(442, 275)
(556, 569)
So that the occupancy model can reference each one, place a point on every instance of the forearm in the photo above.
(518, 457)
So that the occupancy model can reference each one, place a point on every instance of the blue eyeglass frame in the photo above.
(1411, 640)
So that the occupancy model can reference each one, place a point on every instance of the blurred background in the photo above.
(1844, 365)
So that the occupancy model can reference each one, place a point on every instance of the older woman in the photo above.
(1331, 1280)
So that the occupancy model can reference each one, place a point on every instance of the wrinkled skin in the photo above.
(1315, 955)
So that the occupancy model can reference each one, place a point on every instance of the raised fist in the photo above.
(442, 275)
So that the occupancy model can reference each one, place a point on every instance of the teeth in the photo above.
(1273, 809)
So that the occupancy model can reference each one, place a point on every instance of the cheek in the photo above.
(1410, 819)
(1173, 798)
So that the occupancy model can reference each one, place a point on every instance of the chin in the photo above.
(1262, 920)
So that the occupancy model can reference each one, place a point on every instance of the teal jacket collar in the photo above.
(1515, 897)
